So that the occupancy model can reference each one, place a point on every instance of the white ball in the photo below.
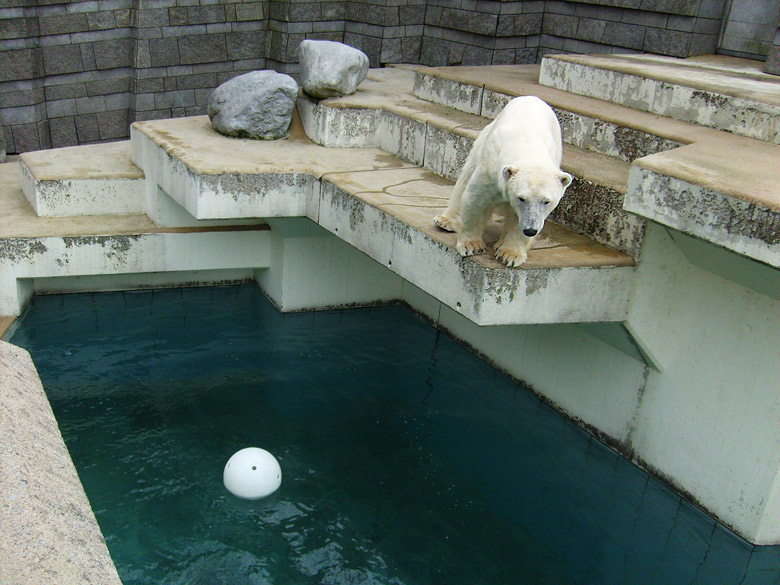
(252, 474)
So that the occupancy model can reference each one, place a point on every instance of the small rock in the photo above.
(259, 104)
(330, 69)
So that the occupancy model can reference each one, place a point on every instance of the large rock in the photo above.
(259, 104)
(331, 69)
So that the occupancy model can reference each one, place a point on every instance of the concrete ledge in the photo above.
(50, 534)
(384, 207)
(561, 282)
(96, 179)
(440, 140)
(707, 183)
(26, 259)
(723, 93)
(741, 226)
(584, 123)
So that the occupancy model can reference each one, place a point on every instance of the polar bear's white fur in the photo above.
(514, 169)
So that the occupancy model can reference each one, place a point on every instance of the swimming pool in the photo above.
(405, 458)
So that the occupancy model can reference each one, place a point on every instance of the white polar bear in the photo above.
(513, 168)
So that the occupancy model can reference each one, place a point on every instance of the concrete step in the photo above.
(110, 252)
(716, 186)
(719, 92)
(95, 179)
(385, 113)
(383, 206)
(588, 124)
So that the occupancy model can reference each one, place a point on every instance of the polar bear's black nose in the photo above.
(530, 232)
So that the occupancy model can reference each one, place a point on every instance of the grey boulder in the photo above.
(2, 145)
(330, 69)
(258, 104)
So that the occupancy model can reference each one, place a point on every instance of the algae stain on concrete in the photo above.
(16, 250)
(115, 246)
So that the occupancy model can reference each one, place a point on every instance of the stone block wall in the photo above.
(81, 71)
(183, 50)
(676, 28)
(773, 57)
(750, 28)
(476, 33)
(387, 31)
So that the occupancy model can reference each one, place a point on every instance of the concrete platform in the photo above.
(53, 253)
(721, 92)
(707, 183)
(103, 181)
(50, 534)
(382, 206)
(385, 113)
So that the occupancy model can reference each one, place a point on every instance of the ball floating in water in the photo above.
(252, 474)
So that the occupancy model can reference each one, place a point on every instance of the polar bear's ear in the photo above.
(509, 172)
(566, 179)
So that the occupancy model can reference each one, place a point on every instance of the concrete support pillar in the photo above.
(312, 269)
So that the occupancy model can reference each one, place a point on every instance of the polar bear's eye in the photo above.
(545, 203)
(521, 199)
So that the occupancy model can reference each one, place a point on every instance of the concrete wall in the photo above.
(691, 396)
(80, 71)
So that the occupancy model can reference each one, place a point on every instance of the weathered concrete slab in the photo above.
(435, 137)
(19, 220)
(386, 214)
(719, 92)
(215, 177)
(95, 179)
(383, 206)
(39, 248)
(50, 534)
(700, 190)
(698, 180)
(585, 123)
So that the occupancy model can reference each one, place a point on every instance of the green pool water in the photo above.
(405, 458)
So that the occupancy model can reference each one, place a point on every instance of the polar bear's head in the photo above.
(533, 192)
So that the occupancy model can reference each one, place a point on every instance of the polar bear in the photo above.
(513, 168)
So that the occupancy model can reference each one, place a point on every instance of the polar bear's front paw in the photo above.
(511, 257)
(445, 223)
(471, 247)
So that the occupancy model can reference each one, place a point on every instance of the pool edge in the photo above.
(50, 533)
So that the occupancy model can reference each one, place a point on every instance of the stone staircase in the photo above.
(373, 168)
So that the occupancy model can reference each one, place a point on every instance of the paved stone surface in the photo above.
(50, 534)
